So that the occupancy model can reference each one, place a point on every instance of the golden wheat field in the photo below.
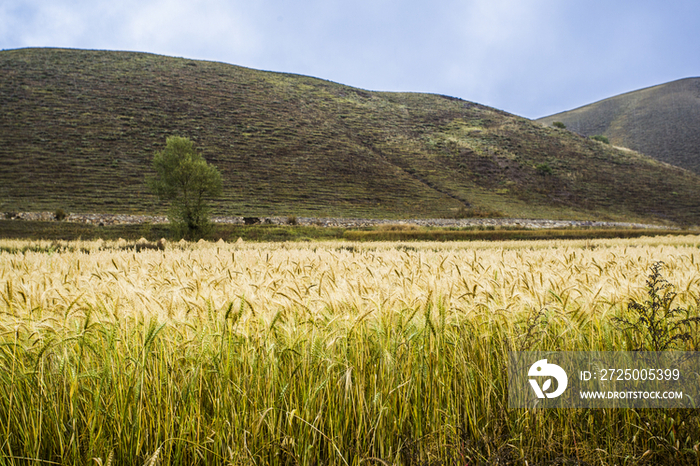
(320, 353)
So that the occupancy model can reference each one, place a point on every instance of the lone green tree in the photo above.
(184, 178)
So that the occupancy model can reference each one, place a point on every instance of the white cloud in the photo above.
(214, 29)
(526, 56)
(209, 28)
(499, 40)
(34, 23)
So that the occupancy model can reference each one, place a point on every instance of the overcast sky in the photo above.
(529, 57)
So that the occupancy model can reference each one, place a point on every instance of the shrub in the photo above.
(601, 138)
(559, 124)
(544, 169)
(654, 324)
(60, 214)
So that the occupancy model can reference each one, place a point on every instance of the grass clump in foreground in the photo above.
(322, 353)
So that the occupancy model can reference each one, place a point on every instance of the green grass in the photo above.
(80, 129)
(66, 231)
(74, 231)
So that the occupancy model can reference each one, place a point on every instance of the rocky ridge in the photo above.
(122, 219)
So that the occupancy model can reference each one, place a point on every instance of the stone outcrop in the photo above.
(121, 219)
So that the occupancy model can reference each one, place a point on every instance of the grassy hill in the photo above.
(78, 130)
(661, 121)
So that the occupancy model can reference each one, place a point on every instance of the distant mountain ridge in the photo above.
(78, 130)
(661, 121)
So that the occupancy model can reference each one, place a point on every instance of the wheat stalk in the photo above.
(392, 350)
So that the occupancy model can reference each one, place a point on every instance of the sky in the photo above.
(528, 57)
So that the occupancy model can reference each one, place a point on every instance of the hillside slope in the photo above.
(661, 121)
(79, 128)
